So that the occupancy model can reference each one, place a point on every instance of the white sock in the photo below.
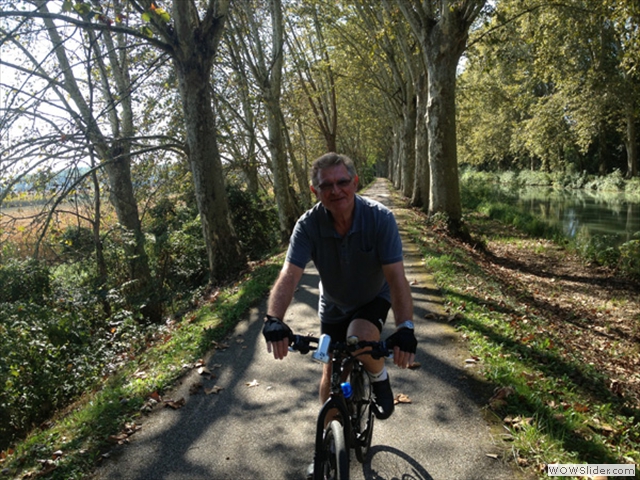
(380, 376)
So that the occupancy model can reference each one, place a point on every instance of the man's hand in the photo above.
(404, 345)
(277, 334)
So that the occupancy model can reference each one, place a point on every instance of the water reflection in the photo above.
(576, 211)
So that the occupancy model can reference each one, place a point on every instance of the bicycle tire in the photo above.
(334, 461)
(362, 427)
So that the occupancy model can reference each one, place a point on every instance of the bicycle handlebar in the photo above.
(305, 343)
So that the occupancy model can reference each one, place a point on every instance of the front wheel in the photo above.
(334, 460)
(363, 420)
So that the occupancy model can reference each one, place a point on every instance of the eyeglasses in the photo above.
(328, 187)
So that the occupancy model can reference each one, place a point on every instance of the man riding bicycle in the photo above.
(355, 245)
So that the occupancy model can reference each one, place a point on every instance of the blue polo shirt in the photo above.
(350, 267)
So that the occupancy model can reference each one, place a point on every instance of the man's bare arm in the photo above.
(279, 300)
(401, 304)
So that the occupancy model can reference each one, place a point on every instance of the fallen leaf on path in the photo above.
(254, 383)
(204, 371)
(401, 398)
(215, 390)
(175, 404)
(117, 439)
(414, 366)
(495, 456)
(219, 345)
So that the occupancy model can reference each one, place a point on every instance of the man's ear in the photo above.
(355, 179)
(313, 190)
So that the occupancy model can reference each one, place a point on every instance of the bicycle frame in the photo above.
(342, 362)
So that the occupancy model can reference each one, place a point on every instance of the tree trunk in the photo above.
(442, 30)
(441, 130)
(420, 196)
(195, 44)
(287, 209)
(408, 143)
(206, 166)
(631, 142)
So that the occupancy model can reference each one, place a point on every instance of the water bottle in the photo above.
(347, 391)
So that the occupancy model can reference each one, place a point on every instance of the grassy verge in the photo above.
(69, 446)
(554, 395)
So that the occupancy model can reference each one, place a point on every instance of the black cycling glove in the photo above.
(275, 330)
(404, 339)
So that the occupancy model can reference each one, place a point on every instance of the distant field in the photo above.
(21, 226)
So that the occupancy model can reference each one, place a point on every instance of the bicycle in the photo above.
(350, 395)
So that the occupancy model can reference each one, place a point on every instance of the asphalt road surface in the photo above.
(261, 425)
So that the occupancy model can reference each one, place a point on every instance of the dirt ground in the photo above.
(591, 309)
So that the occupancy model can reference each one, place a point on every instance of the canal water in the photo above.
(585, 212)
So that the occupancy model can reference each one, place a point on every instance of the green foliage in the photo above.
(629, 260)
(129, 348)
(26, 281)
(77, 242)
(597, 248)
(177, 251)
(602, 250)
(632, 187)
(548, 89)
(534, 177)
(48, 355)
(255, 222)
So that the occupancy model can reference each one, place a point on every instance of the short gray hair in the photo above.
(331, 159)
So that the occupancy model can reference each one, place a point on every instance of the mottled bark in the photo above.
(194, 47)
(422, 175)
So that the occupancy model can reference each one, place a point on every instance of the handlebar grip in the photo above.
(299, 344)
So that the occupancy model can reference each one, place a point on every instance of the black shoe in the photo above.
(382, 399)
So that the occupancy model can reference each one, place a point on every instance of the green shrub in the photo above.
(26, 281)
(77, 242)
(530, 177)
(632, 187)
(48, 356)
(597, 248)
(614, 181)
(509, 178)
(255, 222)
(629, 262)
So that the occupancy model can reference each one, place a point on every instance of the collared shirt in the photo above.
(350, 267)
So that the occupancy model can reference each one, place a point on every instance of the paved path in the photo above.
(266, 431)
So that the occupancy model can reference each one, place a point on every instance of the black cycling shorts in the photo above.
(375, 312)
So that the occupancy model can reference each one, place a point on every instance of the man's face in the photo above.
(336, 189)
